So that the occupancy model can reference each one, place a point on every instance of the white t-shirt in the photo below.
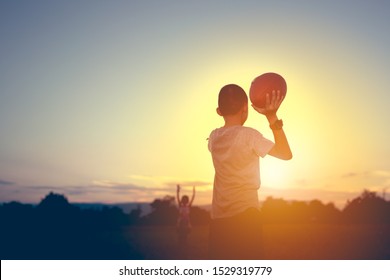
(235, 151)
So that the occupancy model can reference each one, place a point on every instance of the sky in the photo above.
(112, 101)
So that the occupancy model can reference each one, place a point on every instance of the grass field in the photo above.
(281, 241)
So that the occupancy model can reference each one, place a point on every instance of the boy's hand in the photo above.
(272, 104)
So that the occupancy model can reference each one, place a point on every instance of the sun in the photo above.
(274, 173)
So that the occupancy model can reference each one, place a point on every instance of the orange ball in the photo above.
(266, 83)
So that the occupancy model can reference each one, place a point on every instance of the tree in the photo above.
(274, 210)
(54, 210)
(322, 213)
(281, 211)
(113, 217)
(367, 208)
(135, 215)
(164, 212)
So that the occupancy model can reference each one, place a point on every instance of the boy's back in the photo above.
(235, 227)
(235, 151)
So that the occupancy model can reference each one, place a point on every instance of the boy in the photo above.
(235, 228)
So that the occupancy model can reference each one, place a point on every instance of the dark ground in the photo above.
(281, 242)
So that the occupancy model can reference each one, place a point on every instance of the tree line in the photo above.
(369, 207)
(56, 229)
(56, 211)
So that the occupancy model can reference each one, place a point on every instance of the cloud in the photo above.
(381, 173)
(371, 173)
(107, 193)
(190, 183)
(374, 180)
(165, 181)
(135, 188)
(350, 175)
(122, 186)
(6, 183)
(302, 182)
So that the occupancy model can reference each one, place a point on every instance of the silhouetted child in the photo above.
(235, 228)
(184, 208)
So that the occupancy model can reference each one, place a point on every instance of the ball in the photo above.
(266, 83)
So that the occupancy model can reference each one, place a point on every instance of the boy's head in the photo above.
(231, 100)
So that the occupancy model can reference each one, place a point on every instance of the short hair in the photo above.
(231, 99)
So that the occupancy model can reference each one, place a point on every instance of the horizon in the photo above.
(114, 101)
(340, 205)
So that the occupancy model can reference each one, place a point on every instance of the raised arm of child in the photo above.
(178, 194)
(193, 195)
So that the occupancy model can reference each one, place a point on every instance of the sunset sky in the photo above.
(112, 101)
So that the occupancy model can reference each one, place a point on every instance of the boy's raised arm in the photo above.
(281, 149)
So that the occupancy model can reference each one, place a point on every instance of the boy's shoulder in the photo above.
(250, 132)
(235, 131)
